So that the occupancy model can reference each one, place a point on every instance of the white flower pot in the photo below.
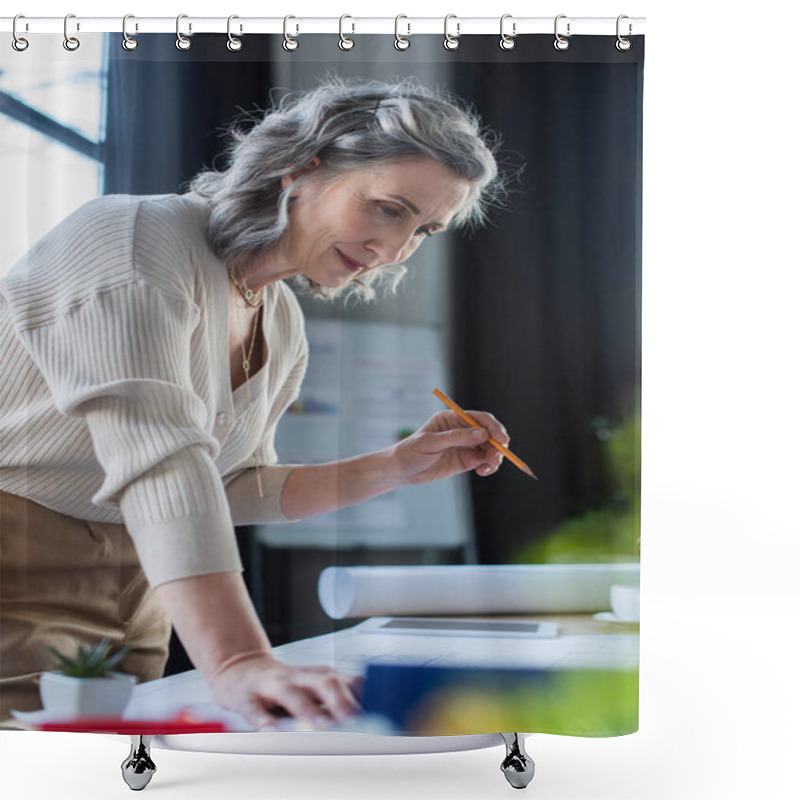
(67, 697)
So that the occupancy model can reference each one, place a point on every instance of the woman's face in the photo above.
(343, 227)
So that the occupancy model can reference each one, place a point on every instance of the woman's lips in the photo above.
(352, 265)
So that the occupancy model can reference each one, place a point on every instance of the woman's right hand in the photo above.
(263, 690)
(215, 619)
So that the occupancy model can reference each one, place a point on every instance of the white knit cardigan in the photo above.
(115, 387)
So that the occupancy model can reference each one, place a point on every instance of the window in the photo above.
(52, 131)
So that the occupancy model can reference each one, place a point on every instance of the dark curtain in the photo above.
(547, 299)
(167, 118)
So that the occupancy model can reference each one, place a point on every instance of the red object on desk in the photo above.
(182, 723)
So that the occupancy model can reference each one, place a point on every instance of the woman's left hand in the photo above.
(447, 446)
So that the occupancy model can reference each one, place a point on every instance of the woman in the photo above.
(149, 346)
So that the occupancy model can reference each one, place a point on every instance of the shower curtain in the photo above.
(466, 604)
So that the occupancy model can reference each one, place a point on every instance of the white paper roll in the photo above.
(471, 589)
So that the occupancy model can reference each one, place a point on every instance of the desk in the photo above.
(587, 664)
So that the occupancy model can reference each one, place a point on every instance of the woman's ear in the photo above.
(288, 180)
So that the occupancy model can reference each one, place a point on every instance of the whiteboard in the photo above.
(367, 385)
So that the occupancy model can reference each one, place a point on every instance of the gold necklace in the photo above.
(247, 356)
(253, 299)
(246, 359)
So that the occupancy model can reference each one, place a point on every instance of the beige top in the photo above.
(116, 401)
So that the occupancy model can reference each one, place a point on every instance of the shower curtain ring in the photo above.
(181, 42)
(451, 42)
(233, 44)
(507, 42)
(346, 43)
(19, 44)
(70, 42)
(128, 42)
(622, 43)
(561, 43)
(290, 44)
(400, 42)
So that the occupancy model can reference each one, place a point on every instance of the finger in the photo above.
(485, 469)
(460, 437)
(266, 721)
(489, 462)
(299, 703)
(353, 682)
(443, 421)
(257, 715)
(496, 429)
(334, 694)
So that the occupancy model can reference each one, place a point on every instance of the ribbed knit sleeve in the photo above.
(120, 362)
(116, 352)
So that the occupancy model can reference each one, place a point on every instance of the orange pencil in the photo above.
(470, 421)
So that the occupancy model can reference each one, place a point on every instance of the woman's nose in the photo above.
(392, 249)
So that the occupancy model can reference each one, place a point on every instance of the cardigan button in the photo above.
(224, 419)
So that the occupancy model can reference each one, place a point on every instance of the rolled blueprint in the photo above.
(470, 589)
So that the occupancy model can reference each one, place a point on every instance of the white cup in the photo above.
(625, 603)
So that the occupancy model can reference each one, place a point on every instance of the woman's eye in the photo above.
(398, 212)
(391, 211)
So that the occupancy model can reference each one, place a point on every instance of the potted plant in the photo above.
(85, 685)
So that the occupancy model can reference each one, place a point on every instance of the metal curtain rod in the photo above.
(299, 25)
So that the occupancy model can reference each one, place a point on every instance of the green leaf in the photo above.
(90, 661)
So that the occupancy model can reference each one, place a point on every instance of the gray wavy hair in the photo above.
(347, 125)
